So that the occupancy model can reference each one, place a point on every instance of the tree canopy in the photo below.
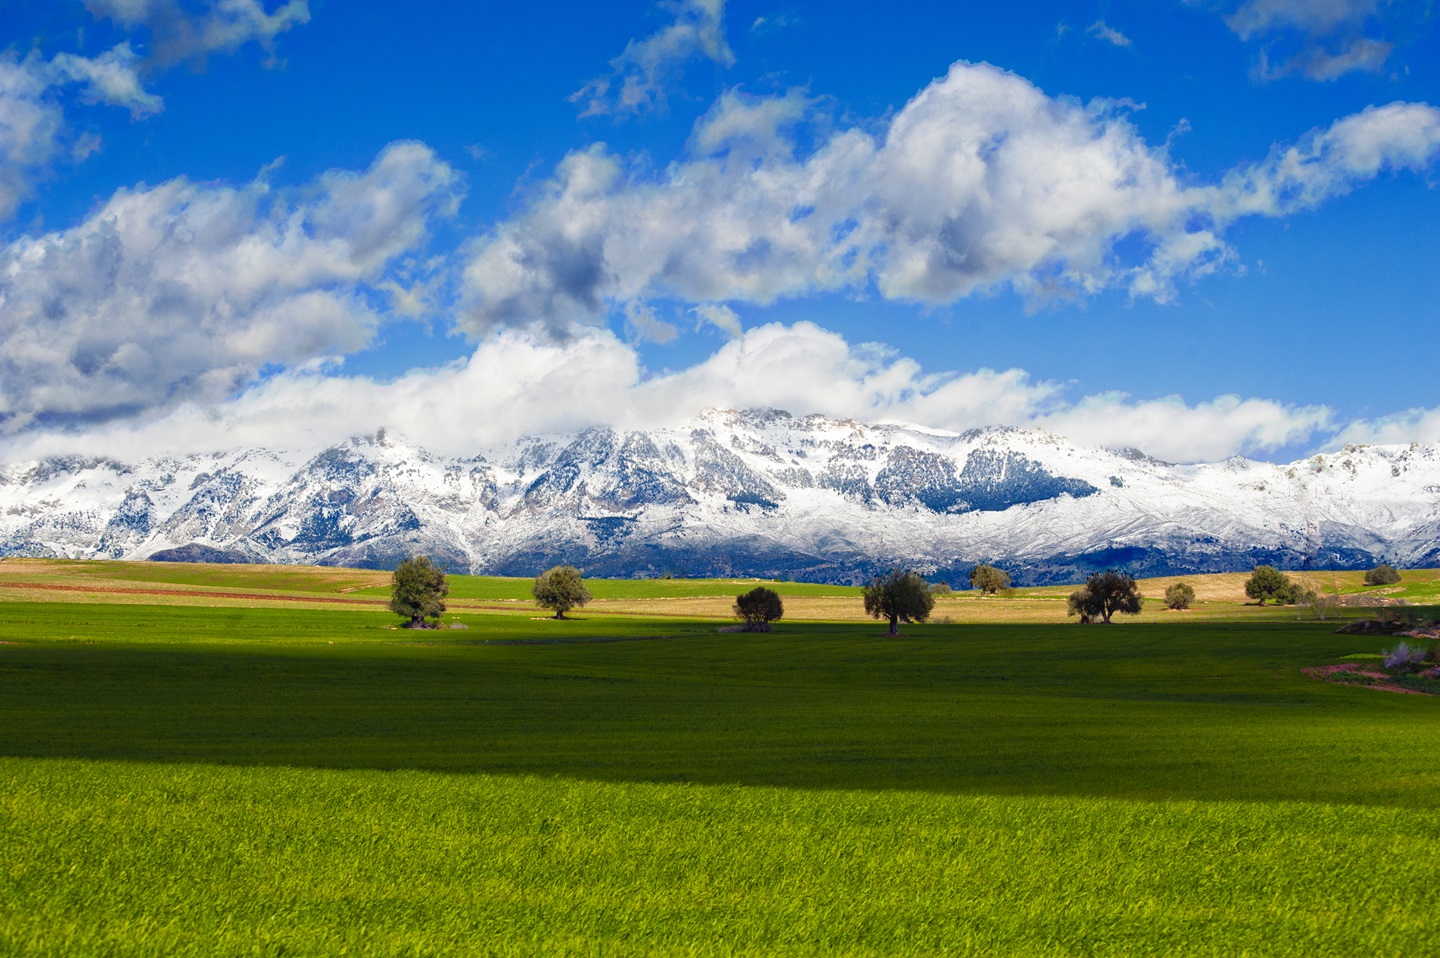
(899, 596)
(1382, 574)
(1268, 583)
(759, 607)
(1103, 595)
(560, 589)
(417, 591)
(989, 579)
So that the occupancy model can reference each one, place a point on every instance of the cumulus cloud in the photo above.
(981, 183)
(640, 75)
(517, 383)
(185, 291)
(178, 33)
(1318, 39)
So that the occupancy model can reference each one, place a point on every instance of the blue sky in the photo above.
(1200, 228)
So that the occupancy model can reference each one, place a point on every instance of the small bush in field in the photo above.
(1382, 574)
(1403, 658)
(1179, 595)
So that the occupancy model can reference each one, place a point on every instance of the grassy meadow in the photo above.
(203, 760)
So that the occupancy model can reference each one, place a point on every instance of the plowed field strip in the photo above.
(114, 590)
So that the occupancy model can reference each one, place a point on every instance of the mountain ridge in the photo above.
(738, 492)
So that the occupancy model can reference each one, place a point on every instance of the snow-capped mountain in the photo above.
(757, 492)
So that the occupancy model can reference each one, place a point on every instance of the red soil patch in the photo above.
(1323, 673)
(188, 593)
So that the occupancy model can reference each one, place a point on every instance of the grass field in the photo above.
(187, 774)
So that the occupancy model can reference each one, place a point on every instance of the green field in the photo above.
(177, 779)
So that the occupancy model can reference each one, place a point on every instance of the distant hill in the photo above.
(754, 492)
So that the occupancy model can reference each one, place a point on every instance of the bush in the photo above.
(1403, 658)
(940, 588)
(1179, 595)
(759, 607)
(1382, 574)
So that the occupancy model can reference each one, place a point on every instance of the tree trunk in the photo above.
(894, 625)
(558, 615)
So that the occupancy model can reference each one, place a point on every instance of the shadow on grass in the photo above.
(1171, 710)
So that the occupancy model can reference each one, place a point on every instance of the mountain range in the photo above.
(752, 492)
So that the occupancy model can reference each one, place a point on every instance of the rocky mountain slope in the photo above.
(757, 492)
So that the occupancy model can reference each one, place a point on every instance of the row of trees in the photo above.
(900, 596)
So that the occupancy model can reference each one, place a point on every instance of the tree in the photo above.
(900, 596)
(989, 579)
(417, 589)
(759, 607)
(1105, 593)
(1382, 574)
(1268, 582)
(1179, 595)
(561, 589)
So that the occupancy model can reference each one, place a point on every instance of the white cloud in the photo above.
(645, 326)
(1332, 162)
(1412, 425)
(33, 134)
(517, 383)
(720, 316)
(31, 124)
(112, 78)
(639, 76)
(185, 291)
(981, 183)
(1253, 18)
(1102, 31)
(1171, 429)
(178, 33)
(1319, 39)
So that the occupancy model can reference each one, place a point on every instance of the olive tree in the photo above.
(560, 589)
(417, 591)
(759, 607)
(1104, 594)
(988, 579)
(900, 596)
(1268, 583)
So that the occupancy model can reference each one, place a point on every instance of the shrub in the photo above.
(1382, 574)
(940, 588)
(1179, 595)
(1403, 658)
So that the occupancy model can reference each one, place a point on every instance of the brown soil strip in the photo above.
(188, 593)
(1323, 673)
